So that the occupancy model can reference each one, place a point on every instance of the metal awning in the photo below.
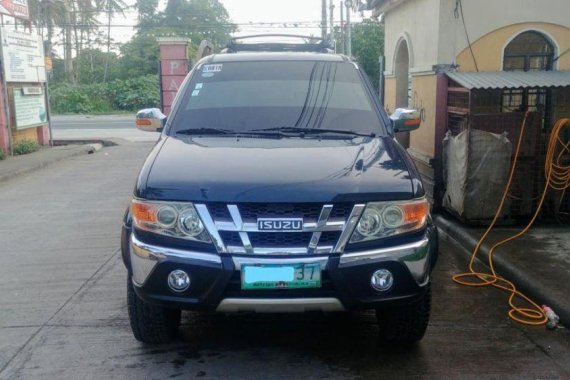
(511, 79)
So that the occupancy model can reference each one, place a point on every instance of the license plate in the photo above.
(295, 276)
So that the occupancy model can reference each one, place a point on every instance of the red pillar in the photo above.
(4, 127)
(43, 135)
(174, 66)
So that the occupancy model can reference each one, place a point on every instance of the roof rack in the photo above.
(309, 44)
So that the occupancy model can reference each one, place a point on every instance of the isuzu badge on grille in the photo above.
(271, 224)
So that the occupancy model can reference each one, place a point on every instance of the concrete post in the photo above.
(4, 125)
(348, 4)
(174, 66)
(43, 135)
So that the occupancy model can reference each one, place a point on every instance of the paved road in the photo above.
(63, 306)
(62, 122)
(98, 127)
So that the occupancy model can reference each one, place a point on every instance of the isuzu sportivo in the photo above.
(277, 185)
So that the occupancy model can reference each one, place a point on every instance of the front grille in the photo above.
(341, 210)
(279, 239)
(219, 211)
(252, 211)
(329, 237)
(231, 238)
(242, 220)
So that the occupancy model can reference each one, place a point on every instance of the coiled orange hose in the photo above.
(558, 178)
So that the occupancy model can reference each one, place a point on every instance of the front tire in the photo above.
(150, 323)
(405, 324)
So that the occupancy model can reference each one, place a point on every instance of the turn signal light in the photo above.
(143, 212)
(143, 122)
(415, 212)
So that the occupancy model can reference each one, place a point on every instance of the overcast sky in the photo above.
(259, 16)
(290, 16)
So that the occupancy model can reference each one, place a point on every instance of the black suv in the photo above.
(277, 186)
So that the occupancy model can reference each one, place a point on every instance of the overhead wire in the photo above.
(459, 12)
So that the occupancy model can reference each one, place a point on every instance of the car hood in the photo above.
(232, 169)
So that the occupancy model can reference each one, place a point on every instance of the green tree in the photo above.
(48, 15)
(368, 46)
(139, 56)
(76, 18)
(91, 63)
(193, 19)
(146, 8)
(111, 7)
(196, 19)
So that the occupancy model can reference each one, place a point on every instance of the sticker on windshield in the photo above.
(195, 92)
(207, 75)
(199, 86)
(212, 68)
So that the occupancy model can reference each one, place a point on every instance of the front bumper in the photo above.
(345, 278)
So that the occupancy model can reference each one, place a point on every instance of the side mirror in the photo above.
(150, 120)
(405, 120)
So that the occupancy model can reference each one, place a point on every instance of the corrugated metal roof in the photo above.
(511, 79)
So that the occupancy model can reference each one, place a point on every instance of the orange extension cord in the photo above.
(557, 178)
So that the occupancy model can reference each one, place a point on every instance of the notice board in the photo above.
(23, 55)
(29, 108)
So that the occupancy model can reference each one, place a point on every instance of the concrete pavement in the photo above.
(538, 263)
(51, 244)
(18, 165)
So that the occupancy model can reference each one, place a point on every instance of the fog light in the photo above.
(382, 280)
(178, 280)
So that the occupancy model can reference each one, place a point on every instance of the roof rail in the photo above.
(308, 44)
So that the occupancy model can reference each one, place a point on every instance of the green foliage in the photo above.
(139, 56)
(146, 8)
(193, 19)
(91, 66)
(25, 147)
(82, 99)
(2, 155)
(128, 95)
(136, 93)
(368, 46)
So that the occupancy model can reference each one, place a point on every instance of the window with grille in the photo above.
(529, 51)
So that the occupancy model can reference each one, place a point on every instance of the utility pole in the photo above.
(342, 39)
(331, 22)
(324, 19)
(348, 4)
(68, 64)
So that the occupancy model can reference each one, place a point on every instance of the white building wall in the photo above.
(485, 16)
(417, 21)
(435, 35)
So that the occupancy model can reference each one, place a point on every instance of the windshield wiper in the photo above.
(224, 132)
(206, 131)
(301, 130)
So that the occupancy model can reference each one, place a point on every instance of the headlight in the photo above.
(383, 219)
(175, 219)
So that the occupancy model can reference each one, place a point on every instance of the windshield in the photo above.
(246, 96)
